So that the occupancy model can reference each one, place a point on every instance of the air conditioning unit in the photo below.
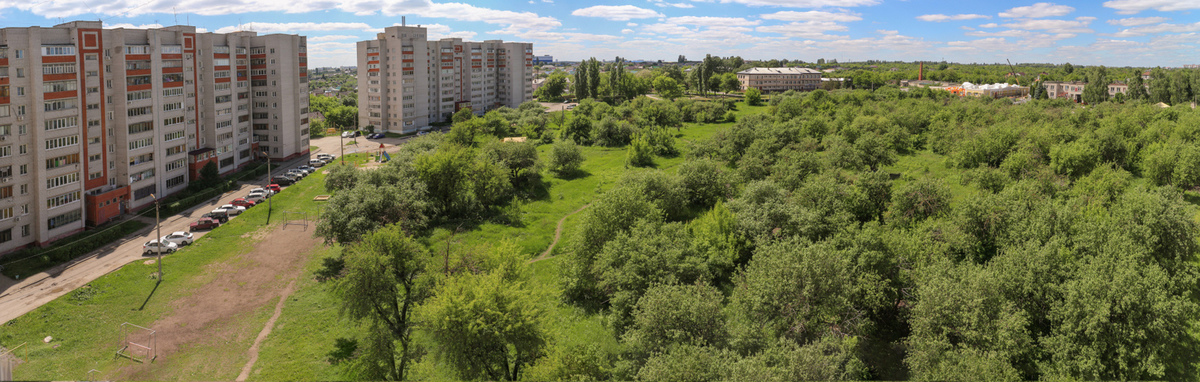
(5, 180)
(3, 138)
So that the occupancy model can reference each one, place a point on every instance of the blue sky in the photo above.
(1113, 33)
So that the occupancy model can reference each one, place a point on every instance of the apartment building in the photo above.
(780, 79)
(406, 82)
(94, 121)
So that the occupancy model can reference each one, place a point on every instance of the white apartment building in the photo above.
(405, 82)
(779, 79)
(93, 121)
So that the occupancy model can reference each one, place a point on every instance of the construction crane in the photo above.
(1012, 71)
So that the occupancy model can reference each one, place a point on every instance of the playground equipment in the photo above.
(138, 343)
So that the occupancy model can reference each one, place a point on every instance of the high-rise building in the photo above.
(93, 121)
(406, 83)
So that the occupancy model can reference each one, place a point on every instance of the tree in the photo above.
(487, 326)
(1137, 88)
(1160, 86)
(383, 284)
(681, 59)
(578, 128)
(581, 81)
(552, 89)
(565, 158)
(753, 97)
(1181, 90)
(341, 177)
(640, 153)
(669, 315)
(918, 200)
(593, 81)
(667, 87)
(342, 116)
(520, 158)
(462, 115)
(730, 83)
(354, 212)
(210, 174)
(1096, 90)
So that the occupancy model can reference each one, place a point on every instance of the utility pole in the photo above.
(268, 182)
(158, 229)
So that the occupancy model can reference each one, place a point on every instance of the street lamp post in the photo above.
(158, 229)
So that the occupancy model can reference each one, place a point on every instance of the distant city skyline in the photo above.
(1113, 33)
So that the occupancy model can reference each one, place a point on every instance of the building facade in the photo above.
(780, 79)
(406, 82)
(94, 121)
(1069, 90)
(543, 60)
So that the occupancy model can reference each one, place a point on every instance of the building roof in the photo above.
(779, 71)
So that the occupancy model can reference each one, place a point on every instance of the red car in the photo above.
(204, 223)
(242, 202)
(273, 187)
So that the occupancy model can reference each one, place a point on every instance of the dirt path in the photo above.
(207, 334)
(266, 331)
(557, 234)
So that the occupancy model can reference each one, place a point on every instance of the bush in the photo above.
(565, 158)
(918, 200)
(753, 97)
(640, 153)
(704, 180)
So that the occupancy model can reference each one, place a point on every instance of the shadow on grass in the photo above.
(573, 175)
(156, 284)
(1192, 198)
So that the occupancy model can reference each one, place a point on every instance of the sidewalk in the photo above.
(18, 297)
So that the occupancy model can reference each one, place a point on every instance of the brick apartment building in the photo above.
(93, 121)
(406, 82)
(780, 79)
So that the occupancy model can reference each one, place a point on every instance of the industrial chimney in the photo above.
(402, 23)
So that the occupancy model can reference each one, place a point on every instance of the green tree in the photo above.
(565, 158)
(613, 212)
(519, 158)
(210, 175)
(353, 212)
(730, 82)
(753, 97)
(487, 326)
(1137, 88)
(669, 315)
(383, 284)
(462, 115)
(578, 128)
(640, 152)
(1096, 90)
(667, 87)
(342, 116)
(919, 200)
(1160, 86)
(1181, 89)
(341, 177)
(553, 87)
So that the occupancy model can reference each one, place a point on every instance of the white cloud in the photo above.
(1129, 7)
(1135, 21)
(710, 21)
(631, 24)
(1079, 25)
(1038, 10)
(626, 31)
(1156, 29)
(804, 3)
(616, 12)
(812, 16)
(940, 17)
(294, 27)
(666, 28)
(808, 30)
(335, 37)
(131, 26)
(664, 3)
(990, 25)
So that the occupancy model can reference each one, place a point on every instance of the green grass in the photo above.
(85, 323)
(927, 164)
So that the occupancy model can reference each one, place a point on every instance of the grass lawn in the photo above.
(85, 323)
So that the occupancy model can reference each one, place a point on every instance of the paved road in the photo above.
(22, 296)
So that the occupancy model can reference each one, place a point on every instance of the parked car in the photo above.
(326, 157)
(256, 197)
(283, 180)
(376, 136)
(204, 223)
(298, 174)
(221, 211)
(274, 188)
(267, 190)
(243, 202)
(233, 210)
(317, 162)
(308, 168)
(347, 134)
(179, 238)
(220, 218)
(154, 247)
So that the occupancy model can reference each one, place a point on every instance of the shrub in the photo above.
(565, 158)
(640, 153)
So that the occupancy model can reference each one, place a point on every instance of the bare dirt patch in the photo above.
(217, 314)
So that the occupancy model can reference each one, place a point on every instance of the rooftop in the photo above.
(779, 71)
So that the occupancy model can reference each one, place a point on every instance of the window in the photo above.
(64, 219)
(5, 129)
(172, 106)
(62, 142)
(65, 160)
(176, 181)
(140, 143)
(172, 92)
(137, 177)
(137, 49)
(171, 49)
(62, 123)
(58, 68)
(143, 192)
(141, 127)
(175, 165)
(6, 192)
(136, 111)
(222, 86)
(62, 180)
(176, 150)
(141, 159)
(58, 50)
(62, 200)
(173, 136)
(6, 213)
(221, 74)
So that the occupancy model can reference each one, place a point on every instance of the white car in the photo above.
(178, 238)
(326, 157)
(257, 197)
(153, 247)
(234, 210)
(266, 192)
(316, 162)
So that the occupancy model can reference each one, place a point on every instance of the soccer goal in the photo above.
(138, 343)
(295, 218)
